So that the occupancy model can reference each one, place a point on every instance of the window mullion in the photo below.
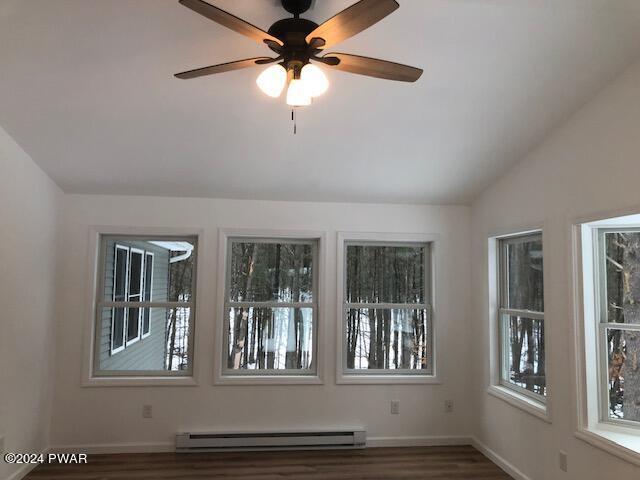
(233, 304)
(134, 304)
(514, 312)
(387, 306)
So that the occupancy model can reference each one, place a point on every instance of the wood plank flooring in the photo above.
(374, 463)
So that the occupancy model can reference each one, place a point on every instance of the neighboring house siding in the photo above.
(149, 352)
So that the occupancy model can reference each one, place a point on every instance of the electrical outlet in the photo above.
(448, 406)
(147, 411)
(395, 407)
(562, 461)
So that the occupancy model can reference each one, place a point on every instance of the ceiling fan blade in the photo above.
(228, 20)
(372, 67)
(352, 21)
(224, 67)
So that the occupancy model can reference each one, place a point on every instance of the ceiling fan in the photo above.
(299, 41)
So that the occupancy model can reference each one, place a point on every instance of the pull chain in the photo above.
(294, 120)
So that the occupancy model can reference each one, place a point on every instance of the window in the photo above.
(521, 315)
(387, 309)
(148, 292)
(145, 307)
(136, 258)
(121, 267)
(270, 307)
(607, 321)
(618, 318)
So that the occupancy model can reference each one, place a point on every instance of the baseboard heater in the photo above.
(281, 440)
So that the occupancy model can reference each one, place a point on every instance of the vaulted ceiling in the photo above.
(87, 89)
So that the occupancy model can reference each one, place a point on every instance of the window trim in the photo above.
(144, 290)
(138, 337)
(224, 376)
(113, 351)
(94, 285)
(524, 402)
(617, 439)
(345, 376)
(601, 312)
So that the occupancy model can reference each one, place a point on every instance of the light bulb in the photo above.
(272, 80)
(314, 79)
(297, 95)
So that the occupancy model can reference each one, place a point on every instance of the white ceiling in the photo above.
(87, 89)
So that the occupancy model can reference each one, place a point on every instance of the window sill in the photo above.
(364, 379)
(522, 402)
(140, 382)
(253, 380)
(622, 442)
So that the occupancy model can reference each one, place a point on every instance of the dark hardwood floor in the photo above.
(373, 463)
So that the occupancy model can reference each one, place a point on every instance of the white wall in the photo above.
(590, 165)
(112, 416)
(29, 203)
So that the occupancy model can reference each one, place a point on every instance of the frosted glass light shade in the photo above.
(297, 95)
(272, 80)
(314, 79)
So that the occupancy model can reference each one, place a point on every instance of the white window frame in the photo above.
(502, 243)
(226, 376)
(602, 326)
(353, 376)
(527, 402)
(117, 247)
(138, 337)
(91, 375)
(147, 256)
(617, 437)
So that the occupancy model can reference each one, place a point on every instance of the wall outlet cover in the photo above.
(147, 411)
(448, 406)
(395, 407)
(563, 461)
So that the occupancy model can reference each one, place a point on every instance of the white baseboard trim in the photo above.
(498, 460)
(105, 448)
(24, 470)
(426, 441)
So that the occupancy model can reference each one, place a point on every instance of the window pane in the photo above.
(171, 263)
(135, 294)
(135, 274)
(385, 274)
(118, 282)
(165, 348)
(270, 272)
(622, 265)
(524, 275)
(117, 328)
(133, 324)
(523, 353)
(270, 338)
(148, 290)
(623, 349)
(388, 339)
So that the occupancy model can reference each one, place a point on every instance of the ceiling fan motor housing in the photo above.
(293, 32)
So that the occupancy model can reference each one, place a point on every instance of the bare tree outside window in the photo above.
(387, 308)
(270, 306)
(620, 322)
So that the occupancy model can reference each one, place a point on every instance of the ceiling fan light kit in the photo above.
(298, 41)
